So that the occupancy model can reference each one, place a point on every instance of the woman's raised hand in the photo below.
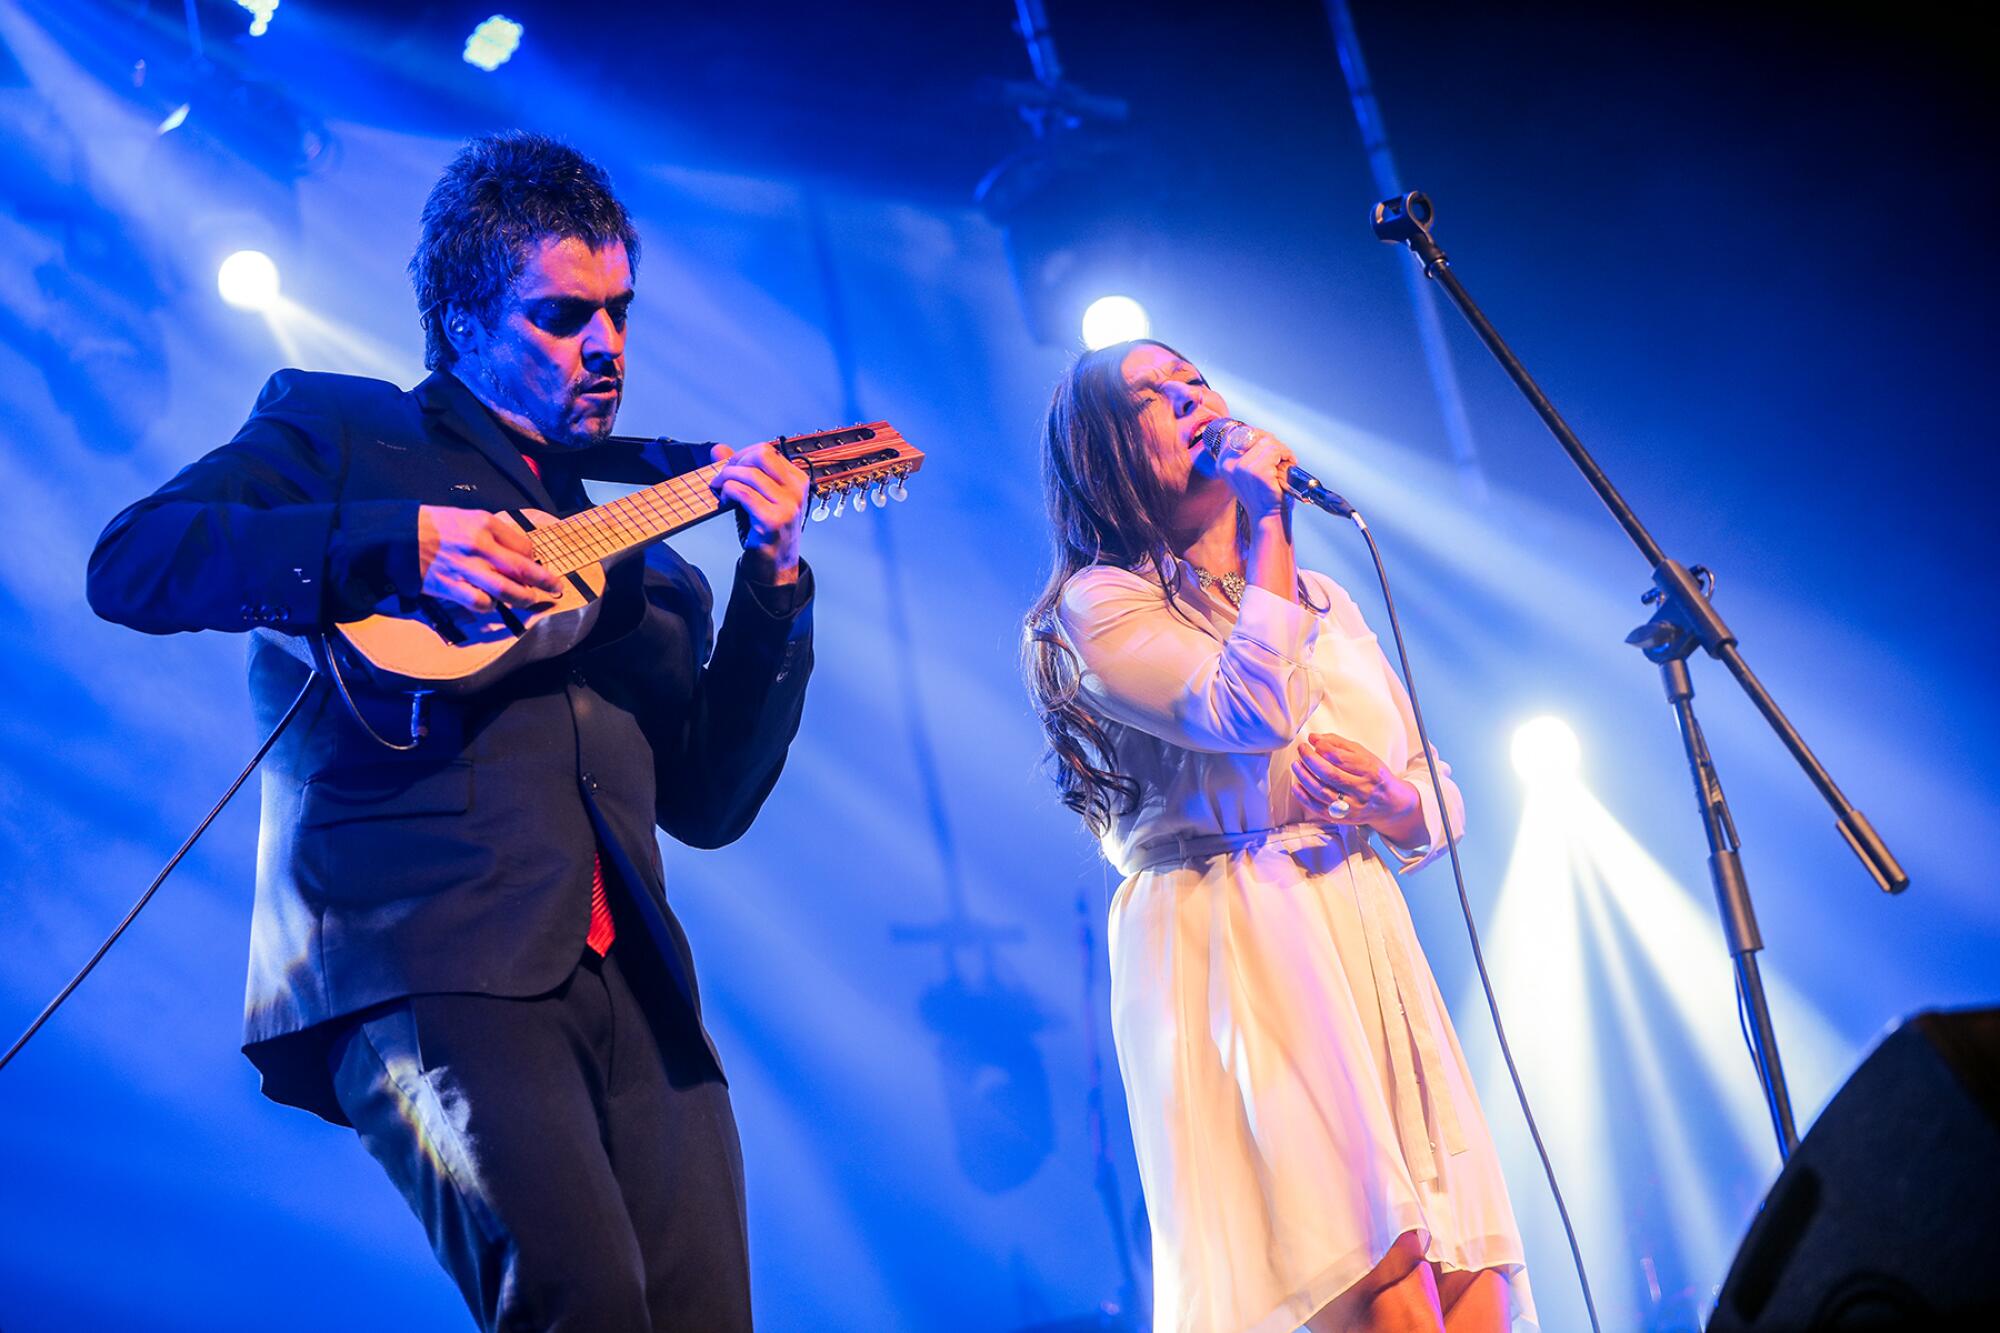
(1254, 463)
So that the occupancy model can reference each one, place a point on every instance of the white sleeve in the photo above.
(1418, 775)
(1147, 665)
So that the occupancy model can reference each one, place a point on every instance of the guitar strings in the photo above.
(594, 535)
(631, 520)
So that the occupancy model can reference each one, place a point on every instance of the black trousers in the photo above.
(574, 1161)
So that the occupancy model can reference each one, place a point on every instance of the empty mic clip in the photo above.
(1406, 220)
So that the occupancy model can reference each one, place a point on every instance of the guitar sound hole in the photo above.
(439, 617)
(462, 628)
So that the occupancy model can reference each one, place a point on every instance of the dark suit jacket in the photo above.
(465, 864)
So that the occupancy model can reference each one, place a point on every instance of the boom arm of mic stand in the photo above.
(1407, 219)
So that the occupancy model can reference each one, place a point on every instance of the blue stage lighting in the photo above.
(260, 15)
(1545, 750)
(248, 280)
(1114, 319)
(493, 42)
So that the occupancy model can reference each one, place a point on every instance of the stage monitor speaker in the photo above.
(1888, 1215)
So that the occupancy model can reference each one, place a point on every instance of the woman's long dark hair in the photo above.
(1106, 507)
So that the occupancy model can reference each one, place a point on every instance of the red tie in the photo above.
(602, 930)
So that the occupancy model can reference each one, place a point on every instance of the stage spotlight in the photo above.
(493, 42)
(1080, 216)
(1114, 319)
(1545, 750)
(260, 14)
(248, 280)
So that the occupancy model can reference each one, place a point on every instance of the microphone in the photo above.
(1227, 434)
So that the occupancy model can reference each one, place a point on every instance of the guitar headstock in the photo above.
(859, 464)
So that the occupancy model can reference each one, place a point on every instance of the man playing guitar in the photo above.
(454, 931)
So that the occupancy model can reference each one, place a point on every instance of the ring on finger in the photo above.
(1338, 807)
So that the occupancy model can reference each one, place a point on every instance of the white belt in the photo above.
(1174, 848)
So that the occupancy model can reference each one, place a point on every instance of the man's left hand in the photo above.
(771, 490)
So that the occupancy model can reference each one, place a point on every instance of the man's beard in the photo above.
(563, 429)
(578, 430)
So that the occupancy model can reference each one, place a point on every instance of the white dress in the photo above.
(1298, 1098)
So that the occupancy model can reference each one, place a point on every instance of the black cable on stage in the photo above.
(1472, 930)
(161, 878)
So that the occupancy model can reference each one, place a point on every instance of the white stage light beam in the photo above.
(493, 43)
(1114, 319)
(1545, 750)
(260, 14)
(248, 280)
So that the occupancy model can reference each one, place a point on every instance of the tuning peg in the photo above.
(819, 509)
(897, 490)
(840, 503)
(878, 493)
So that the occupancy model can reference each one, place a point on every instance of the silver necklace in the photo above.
(1231, 584)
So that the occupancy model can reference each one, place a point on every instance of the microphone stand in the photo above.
(1683, 621)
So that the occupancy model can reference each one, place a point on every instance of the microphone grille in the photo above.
(1215, 435)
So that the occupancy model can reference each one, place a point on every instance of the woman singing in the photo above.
(1308, 1138)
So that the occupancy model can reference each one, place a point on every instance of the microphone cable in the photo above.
(159, 879)
(1472, 930)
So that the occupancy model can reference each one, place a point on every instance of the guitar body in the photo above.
(452, 651)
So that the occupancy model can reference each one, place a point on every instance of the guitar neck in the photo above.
(857, 461)
(629, 521)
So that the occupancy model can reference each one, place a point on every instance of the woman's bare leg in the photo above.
(1474, 1302)
(1399, 1295)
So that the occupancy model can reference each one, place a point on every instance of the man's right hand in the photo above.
(473, 559)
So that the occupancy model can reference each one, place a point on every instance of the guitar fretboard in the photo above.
(631, 520)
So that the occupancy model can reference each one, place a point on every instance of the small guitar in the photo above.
(455, 651)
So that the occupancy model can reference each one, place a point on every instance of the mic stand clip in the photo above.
(1668, 639)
